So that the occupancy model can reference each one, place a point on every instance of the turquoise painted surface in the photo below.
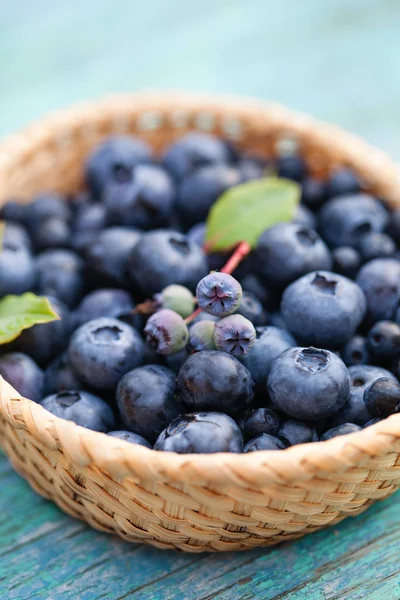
(337, 59)
(46, 555)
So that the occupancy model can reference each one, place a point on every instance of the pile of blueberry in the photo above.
(300, 344)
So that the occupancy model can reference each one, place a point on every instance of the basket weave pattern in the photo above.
(191, 502)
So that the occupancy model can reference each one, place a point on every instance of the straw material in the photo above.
(191, 502)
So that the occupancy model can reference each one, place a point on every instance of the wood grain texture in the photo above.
(336, 59)
(47, 555)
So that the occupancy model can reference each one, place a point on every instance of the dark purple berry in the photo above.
(355, 352)
(264, 441)
(346, 261)
(167, 332)
(342, 181)
(202, 433)
(260, 420)
(376, 245)
(308, 383)
(343, 429)
(383, 341)
(84, 409)
(212, 380)
(114, 160)
(382, 397)
(132, 438)
(219, 294)
(234, 334)
(294, 432)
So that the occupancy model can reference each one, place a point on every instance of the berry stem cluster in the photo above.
(242, 250)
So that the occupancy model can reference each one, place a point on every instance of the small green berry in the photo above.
(177, 298)
(201, 336)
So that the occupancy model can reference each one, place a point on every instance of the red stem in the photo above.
(232, 263)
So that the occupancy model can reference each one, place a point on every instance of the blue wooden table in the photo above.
(337, 59)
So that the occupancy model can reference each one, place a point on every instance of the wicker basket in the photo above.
(191, 502)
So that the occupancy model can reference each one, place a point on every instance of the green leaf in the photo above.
(21, 312)
(242, 213)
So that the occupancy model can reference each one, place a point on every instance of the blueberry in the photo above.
(177, 298)
(376, 245)
(342, 181)
(45, 340)
(102, 350)
(114, 160)
(219, 294)
(201, 433)
(197, 234)
(90, 217)
(61, 274)
(103, 303)
(146, 399)
(346, 261)
(192, 151)
(343, 429)
(59, 376)
(307, 383)
(292, 167)
(234, 334)
(269, 344)
(323, 308)
(166, 332)
(253, 284)
(355, 352)
(383, 342)
(13, 211)
(372, 422)
(250, 169)
(201, 336)
(108, 255)
(380, 281)
(313, 193)
(355, 410)
(23, 374)
(344, 220)
(144, 201)
(84, 409)
(260, 420)
(264, 441)
(276, 320)
(16, 236)
(286, 251)
(17, 269)
(51, 233)
(203, 316)
(251, 308)
(175, 361)
(305, 217)
(199, 190)
(45, 207)
(382, 397)
(163, 257)
(294, 432)
(394, 225)
(216, 381)
(132, 438)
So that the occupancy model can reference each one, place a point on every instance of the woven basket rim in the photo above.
(119, 458)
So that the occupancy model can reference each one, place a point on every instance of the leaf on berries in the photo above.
(2, 229)
(21, 312)
(243, 212)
